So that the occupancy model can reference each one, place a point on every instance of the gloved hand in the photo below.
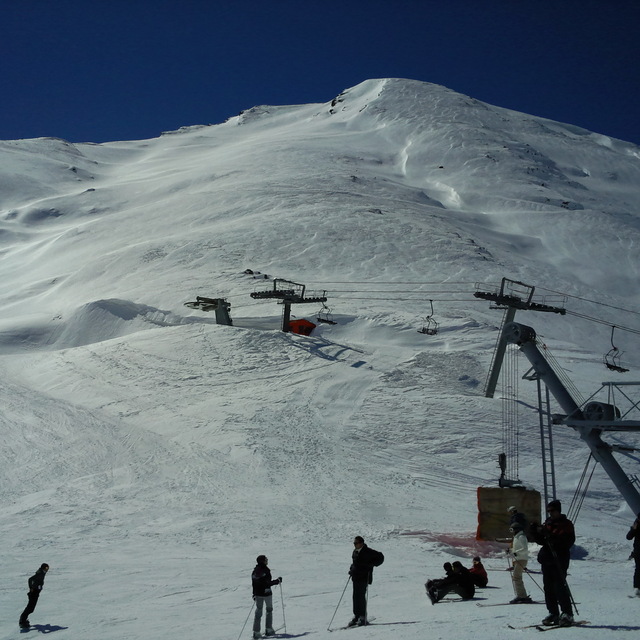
(280, 579)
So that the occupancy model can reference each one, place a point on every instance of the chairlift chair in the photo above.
(430, 326)
(611, 359)
(325, 315)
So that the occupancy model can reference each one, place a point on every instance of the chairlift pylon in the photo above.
(611, 359)
(430, 326)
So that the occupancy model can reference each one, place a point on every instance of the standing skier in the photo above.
(363, 560)
(262, 582)
(556, 536)
(36, 583)
(517, 517)
(634, 534)
(519, 552)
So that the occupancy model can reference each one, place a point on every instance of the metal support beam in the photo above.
(525, 338)
(498, 357)
(286, 316)
(586, 423)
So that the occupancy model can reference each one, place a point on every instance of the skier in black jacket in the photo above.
(634, 534)
(262, 582)
(556, 537)
(36, 583)
(363, 560)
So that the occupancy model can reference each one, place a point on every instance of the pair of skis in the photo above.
(355, 626)
(502, 604)
(541, 627)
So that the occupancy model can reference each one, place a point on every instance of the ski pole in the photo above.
(284, 620)
(247, 620)
(534, 580)
(562, 573)
(511, 568)
(339, 601)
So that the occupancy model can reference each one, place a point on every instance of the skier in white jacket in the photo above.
(519, 552)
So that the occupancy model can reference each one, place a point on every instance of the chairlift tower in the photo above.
(589, 420)
(511, 296)
(288, 293)
(219, 305)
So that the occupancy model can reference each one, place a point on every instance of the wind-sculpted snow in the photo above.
(149, 454)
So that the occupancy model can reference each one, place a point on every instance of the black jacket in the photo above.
(36, 581)
(261, 581)
(466, 584)
(634, 534)
(556, 535)
(362, 563)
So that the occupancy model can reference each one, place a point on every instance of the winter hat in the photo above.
(261, 559)
(476, 559)
(554, 505)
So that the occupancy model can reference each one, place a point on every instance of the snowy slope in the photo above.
(149, 454)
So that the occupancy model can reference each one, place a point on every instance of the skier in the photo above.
(556, 536)
(479, 573)
(363, 560)
(36, 583)
(460, 581)
(519, 553)
(262, 582)
(634, 534)
(518, 517)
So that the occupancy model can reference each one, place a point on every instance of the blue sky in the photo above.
(103, 70)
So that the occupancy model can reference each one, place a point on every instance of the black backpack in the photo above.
(377, 557)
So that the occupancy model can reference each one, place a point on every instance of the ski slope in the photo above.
(149, 454)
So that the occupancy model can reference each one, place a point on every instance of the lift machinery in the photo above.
(590, 421)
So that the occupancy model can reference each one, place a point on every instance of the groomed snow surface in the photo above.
(149, 455)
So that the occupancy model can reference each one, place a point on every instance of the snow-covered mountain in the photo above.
(150, 454)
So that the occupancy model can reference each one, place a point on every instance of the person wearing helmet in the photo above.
(519, 553)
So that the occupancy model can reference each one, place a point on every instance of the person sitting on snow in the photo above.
(460, 581)
(479, 573)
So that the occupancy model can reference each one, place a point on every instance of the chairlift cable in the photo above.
(581, 490)
(603, 322)
(602, 304)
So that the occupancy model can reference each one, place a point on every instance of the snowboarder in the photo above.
(479, 573)
(363, 560)
(459, 581)
(556, 536)
(634, 534)
(519, 553)
(262, 582)
(36, 583)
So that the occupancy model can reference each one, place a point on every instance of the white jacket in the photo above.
(520, 547)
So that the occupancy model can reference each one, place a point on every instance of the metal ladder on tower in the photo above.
(546, 437)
